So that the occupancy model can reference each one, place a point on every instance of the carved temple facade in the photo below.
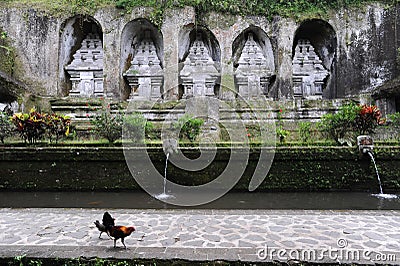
(253, 73)
(200, 70)
(145, 75)
(199, 73)
(86, 69)
(308, 72)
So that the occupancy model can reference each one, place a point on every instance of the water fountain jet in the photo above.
(366, 146)
(169, 146)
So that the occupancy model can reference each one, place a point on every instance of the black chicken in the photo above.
(108, 222)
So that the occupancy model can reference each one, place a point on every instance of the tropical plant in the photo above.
(281, 133)
(394, 120)
(340, 126)
(57, 126)
(253, 132)
(367, 119)
(304, 131)
(108, 125)
(33, 126)
(6, 127)
(189, 127)
(136, 126)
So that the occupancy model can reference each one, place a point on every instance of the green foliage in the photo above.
(7, 54)
(108, 125)
(281, 133)
(394, 120)
(253, 132)
(6, 127)
(156, 16)
(136, 126)
(84, 6)
(33, 126)
(268, 8)
(351, 119)
(189, 127)
(368, 118)
(341, 126)
(298, 9)
(304, 131)
(394, 123)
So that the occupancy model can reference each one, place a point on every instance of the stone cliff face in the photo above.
(367, 50)
(357, 49)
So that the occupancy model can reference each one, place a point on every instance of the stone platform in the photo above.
(365, 237)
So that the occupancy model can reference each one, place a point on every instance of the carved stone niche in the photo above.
(199, 74)
(308, 72)
(145, 75)
(86, 69)
(253, 73)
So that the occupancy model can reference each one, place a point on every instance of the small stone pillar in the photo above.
(86, 69)
(252, 74)
(145, 75)
(365, 144)
(308, 72)
(199, 74)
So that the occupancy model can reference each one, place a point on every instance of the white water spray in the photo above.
(164, 195)
(381, 194)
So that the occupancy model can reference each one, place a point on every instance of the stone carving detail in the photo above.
(86, 69)
(145, 75)
(252, 74)
(308, 72)
(199, 73)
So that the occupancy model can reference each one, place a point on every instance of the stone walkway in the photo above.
(204, 235)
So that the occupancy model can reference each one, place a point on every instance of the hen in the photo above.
(120, 232)
(108, 222)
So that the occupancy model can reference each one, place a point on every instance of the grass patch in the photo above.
(269, 8)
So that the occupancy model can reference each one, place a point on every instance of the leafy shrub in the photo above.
(394, 120)
(394, 123)
(35, 125)
(269, 9)
(340, 126)
(57, 126)
(136, 126)
(304, 131)
(253, 132)
(7, 53)
(108, 125)
(189, 127)
(281, 133)
(368, 118)
(351, 119)
(6, 127)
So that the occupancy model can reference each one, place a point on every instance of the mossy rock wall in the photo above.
(105, 169)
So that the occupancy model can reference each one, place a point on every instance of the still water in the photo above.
(244, 200)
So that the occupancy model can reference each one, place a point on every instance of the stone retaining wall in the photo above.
(105, 169)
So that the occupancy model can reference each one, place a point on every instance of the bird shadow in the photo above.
(117, 249)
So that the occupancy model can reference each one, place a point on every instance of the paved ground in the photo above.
(246, 235)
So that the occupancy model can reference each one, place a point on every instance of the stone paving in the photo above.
(204, 235)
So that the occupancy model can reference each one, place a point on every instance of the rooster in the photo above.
(108, 222)
(120, 232)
